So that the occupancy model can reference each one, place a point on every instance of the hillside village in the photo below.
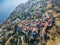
(37, 22)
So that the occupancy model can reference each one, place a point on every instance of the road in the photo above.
(8, 40)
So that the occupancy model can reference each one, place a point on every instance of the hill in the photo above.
(36, 9)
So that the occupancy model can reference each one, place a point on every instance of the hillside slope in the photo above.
(33, 7)
(37, 8)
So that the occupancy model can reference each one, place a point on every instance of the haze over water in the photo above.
(7, 6)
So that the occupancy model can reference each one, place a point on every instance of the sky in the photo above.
(7, 6)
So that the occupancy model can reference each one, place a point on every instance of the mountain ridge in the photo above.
(33, 8)
(27, 7)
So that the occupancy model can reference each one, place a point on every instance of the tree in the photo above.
(4, 39)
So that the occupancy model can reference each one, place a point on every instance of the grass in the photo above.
(58, 22)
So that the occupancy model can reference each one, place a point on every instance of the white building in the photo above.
(17, 20)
